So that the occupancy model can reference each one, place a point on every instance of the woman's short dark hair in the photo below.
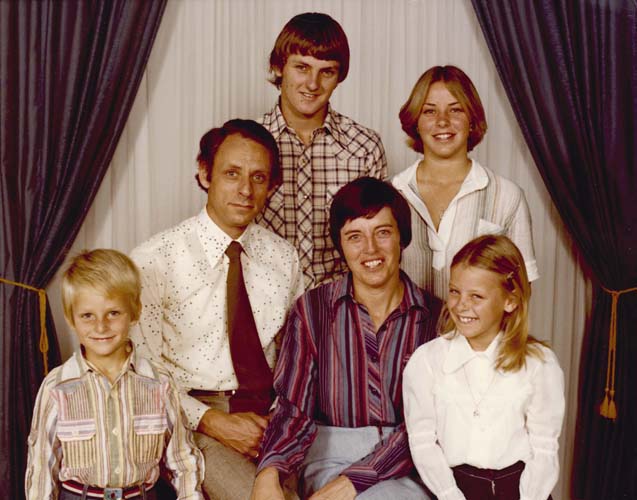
(365, 197)
(211, 141)
(310, 34)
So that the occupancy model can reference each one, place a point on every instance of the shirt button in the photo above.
(117, 470)
(115, 432)
(374, 391)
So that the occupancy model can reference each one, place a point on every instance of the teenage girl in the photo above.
(484, 402)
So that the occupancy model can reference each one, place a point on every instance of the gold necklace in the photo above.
(476, 404)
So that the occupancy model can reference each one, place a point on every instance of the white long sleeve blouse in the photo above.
(460, 410)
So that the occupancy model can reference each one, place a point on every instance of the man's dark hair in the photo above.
(211, 141)
(310, 34)
(365, 197)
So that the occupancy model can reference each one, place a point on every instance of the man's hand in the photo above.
(340, 488)
(266, 485)
(240, 431)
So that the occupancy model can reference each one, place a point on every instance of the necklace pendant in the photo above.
(476, 413)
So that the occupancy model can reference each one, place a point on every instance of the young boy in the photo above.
(105, 419)
(320, 149)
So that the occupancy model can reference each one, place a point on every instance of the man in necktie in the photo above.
(216, 291)
(338, 421)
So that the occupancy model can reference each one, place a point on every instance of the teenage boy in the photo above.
(320, 149)
(216, 291)
(105, 419)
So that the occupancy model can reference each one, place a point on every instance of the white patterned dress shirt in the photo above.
(183, 320)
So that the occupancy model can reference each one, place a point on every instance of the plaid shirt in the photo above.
(110, 435)
(341, 151)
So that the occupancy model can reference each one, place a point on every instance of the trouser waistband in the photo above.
(105, 493)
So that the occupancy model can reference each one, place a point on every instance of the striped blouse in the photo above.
(335, 369)
(486, 204)
(109, 435)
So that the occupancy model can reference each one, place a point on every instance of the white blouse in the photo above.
(459, 410)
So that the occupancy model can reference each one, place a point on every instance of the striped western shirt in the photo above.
(335, 369)
(109, 435)
(341, 151)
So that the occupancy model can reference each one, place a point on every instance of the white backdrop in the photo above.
(209, 64)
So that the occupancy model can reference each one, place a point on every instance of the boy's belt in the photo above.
(104, 493)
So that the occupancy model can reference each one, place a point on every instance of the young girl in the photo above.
(484, 402)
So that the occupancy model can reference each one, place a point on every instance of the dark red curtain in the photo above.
(570, 72)
(69, 72)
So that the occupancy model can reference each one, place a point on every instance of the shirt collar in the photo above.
(215, 241)
(406, 181)
(344, 289)
(476, 180)
(460, 352)
(278, 123)
(331, 124)
(79, 365)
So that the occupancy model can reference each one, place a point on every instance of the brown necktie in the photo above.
(250, 366)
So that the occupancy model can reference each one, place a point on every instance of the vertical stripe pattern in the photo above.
(109, 435)
(336, 369)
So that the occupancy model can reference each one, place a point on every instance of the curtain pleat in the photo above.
(570, 74)
(69, 73)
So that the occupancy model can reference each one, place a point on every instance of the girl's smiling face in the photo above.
(477, 302)
(443, 124)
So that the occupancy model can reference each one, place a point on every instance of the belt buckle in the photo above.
(113, 493)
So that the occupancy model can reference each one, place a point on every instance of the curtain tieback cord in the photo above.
(608, 408)
(44, 341)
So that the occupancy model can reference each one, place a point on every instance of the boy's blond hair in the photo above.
(106, 271)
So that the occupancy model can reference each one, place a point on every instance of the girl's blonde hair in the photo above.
(499, 254)
(106, 271)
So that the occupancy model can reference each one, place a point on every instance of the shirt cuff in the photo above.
(194, 410)
(361, 476)
(453, 493)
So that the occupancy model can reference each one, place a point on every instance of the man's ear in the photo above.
(203, 175)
